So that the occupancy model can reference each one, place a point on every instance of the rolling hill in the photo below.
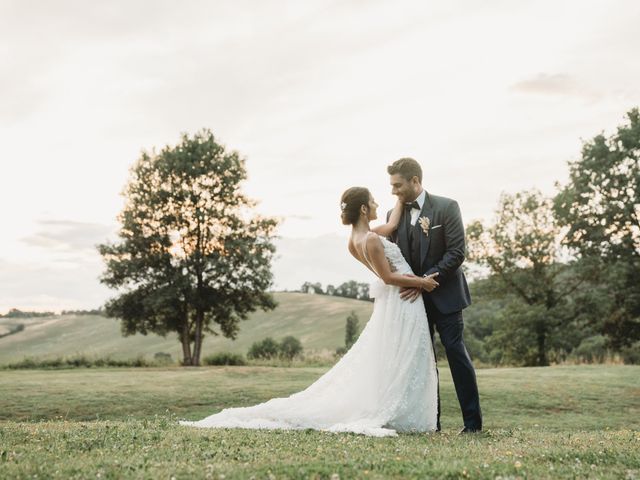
(317, 320)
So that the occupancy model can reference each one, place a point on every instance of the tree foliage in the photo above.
(352, 330)
(600, 206)
(290, 348)
(601, 203)
(525, 257)
(264, 349)
(191, 255)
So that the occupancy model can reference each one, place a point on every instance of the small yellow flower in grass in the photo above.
(517, 464)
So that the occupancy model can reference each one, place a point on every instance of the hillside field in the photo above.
(316, 320)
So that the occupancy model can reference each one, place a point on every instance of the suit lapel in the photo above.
(427, 211)
(403, 239)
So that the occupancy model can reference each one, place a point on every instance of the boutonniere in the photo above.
(424, 223)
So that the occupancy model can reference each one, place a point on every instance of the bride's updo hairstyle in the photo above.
(350, 203)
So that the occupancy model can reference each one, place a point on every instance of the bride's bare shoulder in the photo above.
(351, 247)
(373, 241)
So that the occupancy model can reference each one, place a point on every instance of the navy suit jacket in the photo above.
(442, 251)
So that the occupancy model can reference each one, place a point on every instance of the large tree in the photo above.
(192, 256)
(600, 207)
(528, 267)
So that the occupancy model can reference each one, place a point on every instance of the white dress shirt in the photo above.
(415, 213)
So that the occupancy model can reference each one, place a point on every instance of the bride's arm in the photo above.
(392, 224)
(379, 262)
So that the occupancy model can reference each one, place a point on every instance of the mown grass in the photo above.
(557, 422)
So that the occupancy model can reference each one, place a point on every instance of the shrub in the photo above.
(352, 330)
(631, 354)
(163, 358)
(290, 347)
(78, 361)
(267, 348)
(592, 349)
(224, 358)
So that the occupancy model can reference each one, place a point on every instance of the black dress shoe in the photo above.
(469, 430)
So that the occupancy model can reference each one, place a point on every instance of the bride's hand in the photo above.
(410, 293)
(429, 283)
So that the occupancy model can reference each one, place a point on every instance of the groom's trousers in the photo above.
(450, 327)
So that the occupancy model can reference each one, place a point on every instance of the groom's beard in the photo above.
(412, 199)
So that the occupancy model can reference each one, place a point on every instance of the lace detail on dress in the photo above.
(395, 257)
(386, 382)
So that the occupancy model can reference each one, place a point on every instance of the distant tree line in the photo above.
(15, 313)
(350, 289)
(95, 311)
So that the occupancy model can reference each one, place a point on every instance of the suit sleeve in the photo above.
(394, 234)
(454, 243)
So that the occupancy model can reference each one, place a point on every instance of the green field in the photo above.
(316, 320)
(554, 422)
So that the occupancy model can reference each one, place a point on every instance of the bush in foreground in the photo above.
(224, 358)
(79, 361)
(267, 349)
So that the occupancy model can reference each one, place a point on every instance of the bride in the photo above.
(387, 382)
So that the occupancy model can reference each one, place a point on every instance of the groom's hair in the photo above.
(407, 167)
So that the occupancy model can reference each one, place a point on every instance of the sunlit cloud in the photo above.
(555, 84)
(68, 235)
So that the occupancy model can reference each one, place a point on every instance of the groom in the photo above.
(431, 238)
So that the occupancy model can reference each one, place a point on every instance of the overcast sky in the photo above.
(317, 95)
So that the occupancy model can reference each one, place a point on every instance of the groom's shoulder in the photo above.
(440, 200)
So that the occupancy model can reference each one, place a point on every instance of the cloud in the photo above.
(555, 84)
(36, 286)
(29, 286)
(69, 236)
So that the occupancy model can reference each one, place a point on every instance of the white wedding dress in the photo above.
(386, 383)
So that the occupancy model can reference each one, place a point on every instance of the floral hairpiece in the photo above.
(343, 205)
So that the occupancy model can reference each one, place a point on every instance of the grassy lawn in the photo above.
(557, 422)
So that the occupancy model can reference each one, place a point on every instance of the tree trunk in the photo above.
(197, 347)
(542, 351)
(186, 344)
(197, 343)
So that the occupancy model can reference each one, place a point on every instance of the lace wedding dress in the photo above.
(386, 383)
